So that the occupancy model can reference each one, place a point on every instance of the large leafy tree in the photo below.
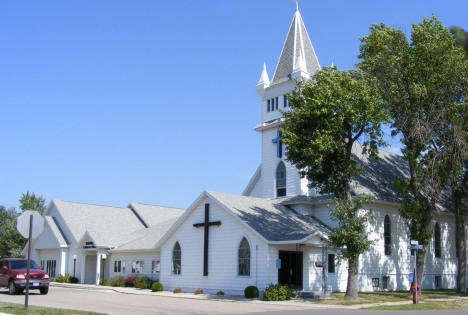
(420, 80)
(461, 37)
(29, 201)
(453, 143)
(11, 242)
(330, 113)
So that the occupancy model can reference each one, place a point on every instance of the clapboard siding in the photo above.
(223, 254)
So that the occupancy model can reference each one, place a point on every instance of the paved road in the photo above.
(118, 303)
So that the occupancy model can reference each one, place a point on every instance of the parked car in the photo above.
(13, 276)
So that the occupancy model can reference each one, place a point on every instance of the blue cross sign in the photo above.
(277, 140)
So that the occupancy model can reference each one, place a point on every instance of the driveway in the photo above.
(110, 302)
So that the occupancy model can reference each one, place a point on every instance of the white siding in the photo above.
(128, 259)
(223, 255)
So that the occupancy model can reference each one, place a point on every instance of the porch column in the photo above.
(83, 268)
(98, 267)
(63, 261)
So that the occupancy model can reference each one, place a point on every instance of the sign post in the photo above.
(29, 224)
(415, 246)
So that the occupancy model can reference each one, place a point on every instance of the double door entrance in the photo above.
(290, 273)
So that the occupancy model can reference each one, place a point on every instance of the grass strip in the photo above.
(427, 306)
(11, 308)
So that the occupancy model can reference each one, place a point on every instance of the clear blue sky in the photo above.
(110, 102)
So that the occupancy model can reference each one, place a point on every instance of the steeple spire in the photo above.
(263, 82)
(298, 57)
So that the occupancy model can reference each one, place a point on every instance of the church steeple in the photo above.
(263, 82)
(297, 59)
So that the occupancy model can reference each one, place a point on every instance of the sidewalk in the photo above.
(236, 298)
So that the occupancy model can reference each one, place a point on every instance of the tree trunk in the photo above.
(460, 243)
(352, 286)
(421, 254)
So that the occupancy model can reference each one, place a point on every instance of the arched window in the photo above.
(437, 241)
(280, 180)
(387, 235)
(176, 259)
(244, 258)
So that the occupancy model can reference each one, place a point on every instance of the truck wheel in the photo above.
(44, 291)
(11, 288)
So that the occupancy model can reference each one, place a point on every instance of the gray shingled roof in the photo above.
(270, 218)
(56, 230)
(146, 239)
(297, 43)
(154, 215)
(109, 226)
(377, 179)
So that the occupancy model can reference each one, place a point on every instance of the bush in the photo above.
(118, 281)
(104, 281)
(251, 292)
(63, 278)
(178, 290)
(157, 286)
(198, 291)
(130, 281)
(74, 280)
(276, 292)
(220, 293)
(142, 282)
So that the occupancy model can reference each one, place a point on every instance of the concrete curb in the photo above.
(231, 298)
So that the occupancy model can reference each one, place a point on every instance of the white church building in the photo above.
(275, 232)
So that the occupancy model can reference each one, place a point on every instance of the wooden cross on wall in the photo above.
(206, 225)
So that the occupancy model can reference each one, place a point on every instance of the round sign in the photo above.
(22, 223)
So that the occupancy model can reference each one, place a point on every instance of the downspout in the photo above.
(256, 266)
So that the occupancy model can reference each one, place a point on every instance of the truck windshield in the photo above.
(21, 264)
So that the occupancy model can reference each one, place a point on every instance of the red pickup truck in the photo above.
(13, 276)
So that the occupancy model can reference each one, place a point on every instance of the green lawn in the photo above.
(11, 308)
(394, 296)
(452, 305)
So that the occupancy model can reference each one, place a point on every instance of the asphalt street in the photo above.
(110, 302)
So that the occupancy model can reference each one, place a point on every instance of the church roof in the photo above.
(146, 239)
(109, 226)
(153, 215)
(297, 52)
(270, 218)
(57, 231)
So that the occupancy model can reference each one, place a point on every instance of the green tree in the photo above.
(461, 37)
(29, 201)
(420, 81)
(330, 113)
(11, 242)
(454, 143)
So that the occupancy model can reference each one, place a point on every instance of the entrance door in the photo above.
(290, 272)
(90, 269)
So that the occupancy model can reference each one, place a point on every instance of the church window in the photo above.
(276, 100)
(437, 241)
(176, 259)
(138, 266)
(285, 101)
(51, 264)
(155, 266)
(387, 236)
(281, 180)
(268, 105)
(244, 258)
(437, 282)
(331, 263)
(117, 266)
(375, 282)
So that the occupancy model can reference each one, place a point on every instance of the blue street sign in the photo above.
(411, 277)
